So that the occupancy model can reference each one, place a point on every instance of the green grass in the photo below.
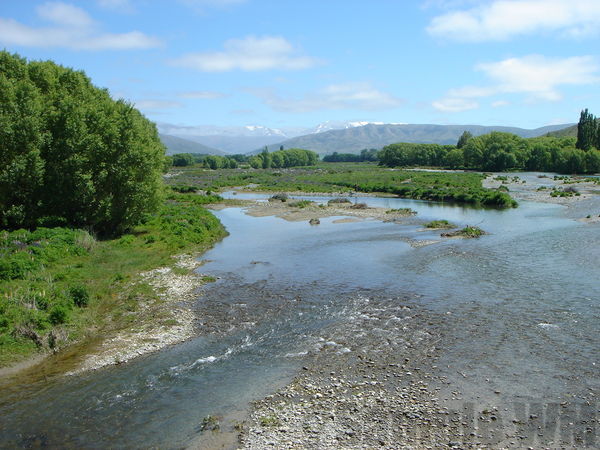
(402, 211)
(364, 177)
(63, 280)
(467, 232)
(301, 204)
(440, 224)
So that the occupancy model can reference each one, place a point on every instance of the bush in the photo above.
(58, 314)
(402, 211)
(79, 295)
(339, 200)
(17, 266)
(301, 204)
(283, 197)
(439, 224)
(184, 189)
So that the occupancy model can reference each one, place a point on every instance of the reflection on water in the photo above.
(522, 303)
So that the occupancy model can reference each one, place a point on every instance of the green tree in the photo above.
(70, 154)
(454, 159)
(265, 158)
(463, 139)
(183, 159)
(586, 131)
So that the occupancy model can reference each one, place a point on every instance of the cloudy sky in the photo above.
(523, 63)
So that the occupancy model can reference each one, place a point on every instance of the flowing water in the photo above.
(521, 308)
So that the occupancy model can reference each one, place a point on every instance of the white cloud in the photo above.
(455, 105)
(201, 95)
(121, 6)
(502, 19)
(535, 76)
(539, 76)
(500, 103)
(72, 28)
(249, 54)
(64, 14)
(361, 96)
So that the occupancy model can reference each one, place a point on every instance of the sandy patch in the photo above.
(287, 211)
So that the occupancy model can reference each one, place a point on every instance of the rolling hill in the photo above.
(178, 145)
(352, 140)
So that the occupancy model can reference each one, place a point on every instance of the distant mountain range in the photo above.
(179, 145)
(327, 137)
(244, 139)
(352, 140)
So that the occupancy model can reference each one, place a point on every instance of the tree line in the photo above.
(498, 151)
(364, 155)
(70, 154)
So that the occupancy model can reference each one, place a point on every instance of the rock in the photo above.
(314, 221)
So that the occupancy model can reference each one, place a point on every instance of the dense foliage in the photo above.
(183, 159)
(497, 151)
(588, 131)
(409, 154)
(215, 162)
(364, 155)
(293, 157)
(70, 154)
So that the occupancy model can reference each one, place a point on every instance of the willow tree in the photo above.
(70, 154)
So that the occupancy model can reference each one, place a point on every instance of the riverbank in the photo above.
(119, 298)
(560, 190)
(371, 386)
(298, 210)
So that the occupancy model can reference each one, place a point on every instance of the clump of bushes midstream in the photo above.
(301, 204)
(469, 231)
(439, 224)
(402, 211)
(282, 197)
(338, 200)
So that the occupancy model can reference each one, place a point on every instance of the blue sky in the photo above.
(524, 63)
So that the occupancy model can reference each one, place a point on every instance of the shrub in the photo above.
(402, 211)
(79, 295)
(439, 224)
(301, 204)
(17, 265)
(283, 197)
(339, 200)
(58, 314)
(184, 189)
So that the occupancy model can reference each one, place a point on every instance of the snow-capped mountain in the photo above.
(241, 139)
(211, 130)
(337, 125)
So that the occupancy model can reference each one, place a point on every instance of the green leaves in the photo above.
(69, 151)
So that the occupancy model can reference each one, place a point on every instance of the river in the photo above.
(521, 309)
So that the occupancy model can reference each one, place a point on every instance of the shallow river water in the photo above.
(521, 308)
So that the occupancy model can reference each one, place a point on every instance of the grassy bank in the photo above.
(59, 285)
(463, 187)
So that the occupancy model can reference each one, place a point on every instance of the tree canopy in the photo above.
(70, 154)
(292, 157)
(499, 151)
